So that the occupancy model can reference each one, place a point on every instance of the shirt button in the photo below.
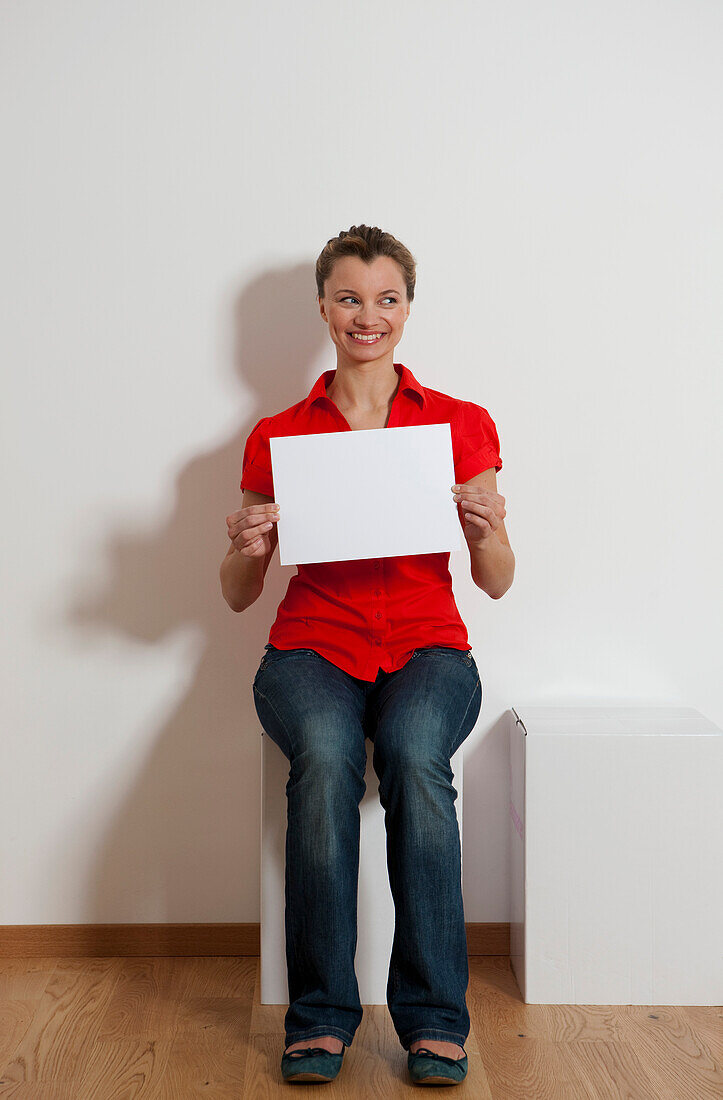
(377, 591)
(377, 564)
(377, 614)
(377, 641)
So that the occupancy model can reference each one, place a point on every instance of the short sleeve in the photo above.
(476, 445)
(256, 470)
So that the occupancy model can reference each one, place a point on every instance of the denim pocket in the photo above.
(273, 654)
(445, 651)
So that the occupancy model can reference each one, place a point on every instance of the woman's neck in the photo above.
(363, 389)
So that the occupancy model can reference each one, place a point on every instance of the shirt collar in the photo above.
(408, 383)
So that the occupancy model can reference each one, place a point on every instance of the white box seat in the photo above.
(616, 841)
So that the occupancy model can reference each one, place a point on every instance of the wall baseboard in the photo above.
(91, 940)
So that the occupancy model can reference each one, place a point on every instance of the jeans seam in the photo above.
(469, 704)
(281, 723)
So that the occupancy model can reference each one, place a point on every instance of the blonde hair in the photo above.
(367, 242)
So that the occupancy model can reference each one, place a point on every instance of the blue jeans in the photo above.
(416, 717)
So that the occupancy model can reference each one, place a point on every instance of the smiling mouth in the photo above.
(366, 338)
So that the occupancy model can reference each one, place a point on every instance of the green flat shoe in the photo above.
(427, 1068)
(311, 1064)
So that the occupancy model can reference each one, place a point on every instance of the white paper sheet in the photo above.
(369, 493)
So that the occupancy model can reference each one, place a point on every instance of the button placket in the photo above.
(378, 609)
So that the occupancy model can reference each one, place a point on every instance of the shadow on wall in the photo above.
(183, 843)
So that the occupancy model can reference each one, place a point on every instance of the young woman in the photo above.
(371, 648)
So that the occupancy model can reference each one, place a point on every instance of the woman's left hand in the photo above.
(482, 510)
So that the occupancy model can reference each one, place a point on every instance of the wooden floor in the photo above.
(180, 1028)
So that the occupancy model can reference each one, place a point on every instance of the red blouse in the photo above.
(372, 613)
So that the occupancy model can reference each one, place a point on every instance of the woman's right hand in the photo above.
(249, 529)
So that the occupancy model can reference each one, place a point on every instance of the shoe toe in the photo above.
(311, 1064)
(427, 1068)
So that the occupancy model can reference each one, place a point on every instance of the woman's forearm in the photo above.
(242, 579)
(493, 566)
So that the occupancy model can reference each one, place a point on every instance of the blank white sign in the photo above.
(366, 493)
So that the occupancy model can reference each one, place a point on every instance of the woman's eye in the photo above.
(350, 298)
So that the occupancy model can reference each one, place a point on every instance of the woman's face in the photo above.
(367, 299)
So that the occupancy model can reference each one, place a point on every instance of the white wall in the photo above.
(171, 172)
